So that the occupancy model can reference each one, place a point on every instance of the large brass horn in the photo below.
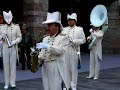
(98, 17)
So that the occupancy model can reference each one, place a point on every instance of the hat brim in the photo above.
(52, 21)
(71, 18)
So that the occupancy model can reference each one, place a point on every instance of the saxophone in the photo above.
(34, 60)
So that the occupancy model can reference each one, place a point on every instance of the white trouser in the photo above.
(72, 65)
(74, 73)
(94, 64)
(51, 77)
(9, 62)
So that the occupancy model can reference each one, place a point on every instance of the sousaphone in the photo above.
(98, 15)
(98, 18)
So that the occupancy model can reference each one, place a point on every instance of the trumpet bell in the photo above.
(98, 15)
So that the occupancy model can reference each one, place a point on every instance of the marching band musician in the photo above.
(98, 19)
(77, 37)
(10, 35)
(52, 51)
(95, 52)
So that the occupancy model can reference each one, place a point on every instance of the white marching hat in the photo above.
(7, 16)
(72, 16)
(54, 17)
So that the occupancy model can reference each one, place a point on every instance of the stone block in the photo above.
(28, 7)
(38, 7)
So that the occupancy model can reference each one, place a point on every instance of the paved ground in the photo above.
(109, 80)
(109, 76)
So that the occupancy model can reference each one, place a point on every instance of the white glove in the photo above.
(91, 30)
(42, 46)
(32, 49)
(13, 43)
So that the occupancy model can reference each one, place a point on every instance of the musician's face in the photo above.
(52, 29)
(9, 23)
(71, 22)
(95, 28)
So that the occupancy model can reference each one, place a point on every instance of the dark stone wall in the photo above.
(34, 14)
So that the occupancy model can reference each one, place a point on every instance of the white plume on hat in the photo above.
(72, 16)
(54, 17)
(7, 16)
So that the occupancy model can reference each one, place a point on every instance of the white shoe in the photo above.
(64, 88)
(89, 77)
(13, 86)
(5, 87)
(95, 78)
(74, 89)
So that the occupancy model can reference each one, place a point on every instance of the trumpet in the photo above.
(7, 40)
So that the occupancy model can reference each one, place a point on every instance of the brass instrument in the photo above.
(34, 61)
(7, 40)
(98, 17)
